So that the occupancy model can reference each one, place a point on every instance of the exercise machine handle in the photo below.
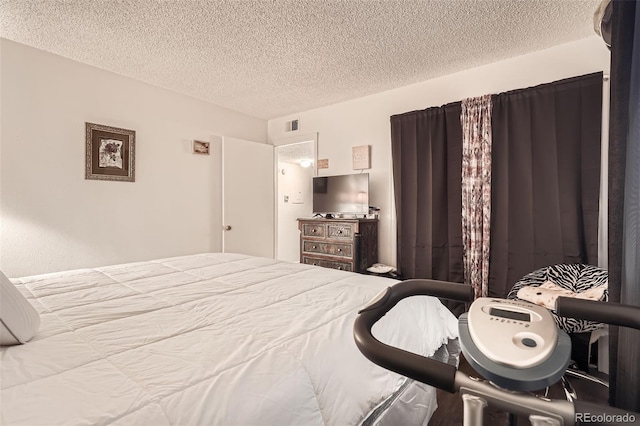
(608, 313)
(426, 370)
(591, 310)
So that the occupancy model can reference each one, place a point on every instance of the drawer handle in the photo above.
(314, 264)
(339, 250)
(339, 268)
(340, 231)
(314, 247)
(313, 230)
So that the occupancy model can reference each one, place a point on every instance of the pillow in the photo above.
(547, 294)
(19, 321)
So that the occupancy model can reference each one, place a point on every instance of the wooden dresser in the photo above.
(345, 244)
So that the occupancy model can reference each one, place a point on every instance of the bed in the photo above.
(214, 339)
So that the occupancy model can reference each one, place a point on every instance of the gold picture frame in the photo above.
(110, 153)
(200, 147)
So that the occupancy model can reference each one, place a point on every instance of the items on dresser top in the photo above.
(345, 244)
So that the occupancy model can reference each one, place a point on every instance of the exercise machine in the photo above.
(515, 346)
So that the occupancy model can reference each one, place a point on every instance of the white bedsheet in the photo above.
(210, 339)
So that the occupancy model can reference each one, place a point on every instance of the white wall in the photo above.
(365, 121)
(52, 219)
(295, 183)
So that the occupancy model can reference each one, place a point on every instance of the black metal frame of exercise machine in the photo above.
(479, 393)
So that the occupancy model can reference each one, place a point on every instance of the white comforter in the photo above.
(211, 339)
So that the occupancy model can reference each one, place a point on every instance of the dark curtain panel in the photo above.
(545, 178)
(624, 202)
(427, 159)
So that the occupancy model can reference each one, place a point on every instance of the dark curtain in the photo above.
(624, 200)
(427, 175)
(545, 178)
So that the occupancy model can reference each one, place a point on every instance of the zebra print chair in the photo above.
(577, 278)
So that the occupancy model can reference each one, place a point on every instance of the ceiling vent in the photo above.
(291, 126)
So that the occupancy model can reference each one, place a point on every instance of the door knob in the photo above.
(227, 228)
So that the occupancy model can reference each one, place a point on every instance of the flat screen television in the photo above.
(346, 194)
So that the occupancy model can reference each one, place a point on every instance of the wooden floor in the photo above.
(449, 410)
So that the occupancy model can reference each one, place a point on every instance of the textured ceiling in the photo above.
(274, 58)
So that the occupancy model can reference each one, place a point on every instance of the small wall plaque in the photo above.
(200, 147)
(361, 158)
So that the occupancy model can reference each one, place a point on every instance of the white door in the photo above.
(248, 195)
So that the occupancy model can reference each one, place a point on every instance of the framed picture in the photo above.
(110, 153)
(361, 157)
(200, 147)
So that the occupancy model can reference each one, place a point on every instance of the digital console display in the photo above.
(518, 316)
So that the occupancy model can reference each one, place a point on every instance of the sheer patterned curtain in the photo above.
(476, 191)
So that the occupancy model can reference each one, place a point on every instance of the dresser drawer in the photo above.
(340, 230)
(313, 230)
(333, 249)
(342, 266)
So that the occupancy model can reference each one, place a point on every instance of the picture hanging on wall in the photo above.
(110, 153)
(361, 157)
(200, 147)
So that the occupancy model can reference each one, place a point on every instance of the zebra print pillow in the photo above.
(573, 277)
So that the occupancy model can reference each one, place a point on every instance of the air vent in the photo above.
(291, 126)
